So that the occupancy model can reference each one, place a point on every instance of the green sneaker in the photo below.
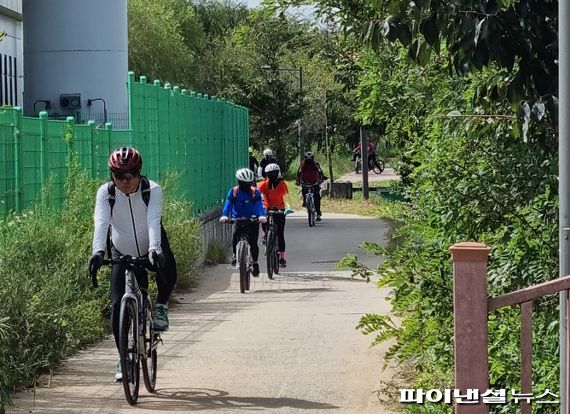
(118, 373)
(160, 318)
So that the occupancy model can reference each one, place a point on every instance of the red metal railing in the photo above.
(471, 310)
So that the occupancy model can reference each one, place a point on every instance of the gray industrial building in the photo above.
(67, 57)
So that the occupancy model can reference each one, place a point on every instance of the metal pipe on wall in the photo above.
(564, 187)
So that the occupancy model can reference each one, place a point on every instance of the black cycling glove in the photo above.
(95, 263)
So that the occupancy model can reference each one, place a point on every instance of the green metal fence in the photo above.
(203, 138)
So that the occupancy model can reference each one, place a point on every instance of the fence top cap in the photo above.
(470, 248)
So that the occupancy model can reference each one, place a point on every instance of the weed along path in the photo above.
(287, 346)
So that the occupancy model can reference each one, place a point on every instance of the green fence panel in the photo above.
(204, 139)
(7, 162)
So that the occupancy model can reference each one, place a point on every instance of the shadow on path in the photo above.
(176, 399)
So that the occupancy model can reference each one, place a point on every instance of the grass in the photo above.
(373, 207)
(376, 184)
(215, 254)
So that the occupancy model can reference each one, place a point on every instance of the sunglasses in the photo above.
(127, 176)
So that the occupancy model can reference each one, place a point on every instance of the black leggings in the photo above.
(252, 231)
(165, 282)
(316, 197)
(280, 225)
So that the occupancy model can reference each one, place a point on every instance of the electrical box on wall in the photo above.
(70, 101)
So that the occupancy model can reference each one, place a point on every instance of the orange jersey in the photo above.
(273, 197)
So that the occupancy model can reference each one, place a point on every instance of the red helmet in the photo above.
(125, 159)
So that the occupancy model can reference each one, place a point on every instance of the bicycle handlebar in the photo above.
(142, 261)
(241, 219)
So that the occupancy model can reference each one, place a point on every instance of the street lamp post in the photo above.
(329, 151)
(300, 120)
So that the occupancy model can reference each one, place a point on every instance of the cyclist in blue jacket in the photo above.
(244, 200)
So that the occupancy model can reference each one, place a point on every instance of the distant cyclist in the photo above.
(130, 205)
(371, 152)
(310, 174)
(244, 200)
(268, 158)
(274, 189)
(253, 163)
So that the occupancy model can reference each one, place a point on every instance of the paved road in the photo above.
(287, 346)
(387, 174)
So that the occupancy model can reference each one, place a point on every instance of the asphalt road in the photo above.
(287, 346)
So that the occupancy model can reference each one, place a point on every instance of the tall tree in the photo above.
(156, 44)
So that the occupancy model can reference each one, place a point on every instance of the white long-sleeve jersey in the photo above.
(135, 228)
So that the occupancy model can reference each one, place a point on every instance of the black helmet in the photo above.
(309, 156)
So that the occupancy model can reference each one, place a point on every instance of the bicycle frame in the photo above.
(133, 292)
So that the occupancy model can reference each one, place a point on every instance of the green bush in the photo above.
(469, 176)
(48, 308)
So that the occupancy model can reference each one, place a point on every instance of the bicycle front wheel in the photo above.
(149, 362)
(379, 166)
(270, 253)
(243, 265)
(128, 351)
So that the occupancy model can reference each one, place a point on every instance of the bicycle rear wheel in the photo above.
(269, 253)
(149, 362)
(276, 260)
(311, 211)
(128, 351)
(243, 265)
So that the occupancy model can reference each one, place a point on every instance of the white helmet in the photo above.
(245, 175)
(267, 152)
(272, 167)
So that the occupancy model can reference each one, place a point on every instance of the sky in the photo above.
(306, 11)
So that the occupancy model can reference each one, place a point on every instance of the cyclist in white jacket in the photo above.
(131, 206)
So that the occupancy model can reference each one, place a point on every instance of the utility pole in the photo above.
(301, 118)
(329, 151)
(364, 161)
(564, 191)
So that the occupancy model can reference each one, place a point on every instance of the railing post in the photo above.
(43, 146)
(470, 326)
(18, 173)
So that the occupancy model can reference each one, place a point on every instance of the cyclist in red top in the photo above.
(371, 151)
(311, 174)
(273, 190)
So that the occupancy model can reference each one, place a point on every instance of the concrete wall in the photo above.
(75, 46)
(11, 53)
(12, 5)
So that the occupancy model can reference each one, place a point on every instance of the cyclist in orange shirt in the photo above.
(273, 190)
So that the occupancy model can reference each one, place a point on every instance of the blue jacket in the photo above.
(244, 204)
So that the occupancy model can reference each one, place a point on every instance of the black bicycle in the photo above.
(138, 342)
(310, 203)
(243, 251)
(374, 164)
(272, 244)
